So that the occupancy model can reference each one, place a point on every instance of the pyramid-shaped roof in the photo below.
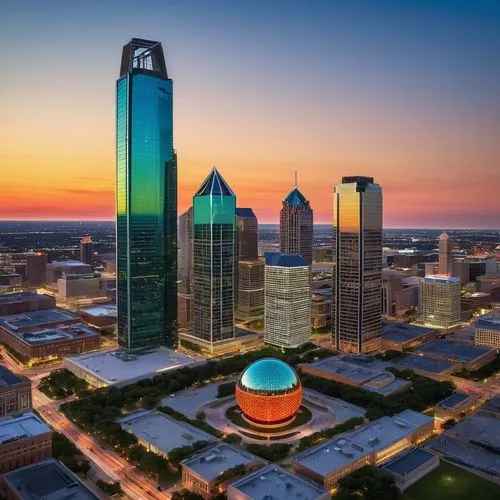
(214, 184)
(296, 199)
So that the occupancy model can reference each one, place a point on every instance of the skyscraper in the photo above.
(444, 255)
(357, 272)
(214, 260)
(296, 225)
(185, 270)
(87, 250)
(287, 300)
(249, 273)
(146, 186)
(439, 301)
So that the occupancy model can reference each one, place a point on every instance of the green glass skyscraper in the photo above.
(214, 260)
(146, 199)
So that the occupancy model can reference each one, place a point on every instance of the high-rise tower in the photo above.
(87, 250)
(444, 255)
(214, 260)
(146, 187)
(247, 234)
(357, 272)
(296, 225)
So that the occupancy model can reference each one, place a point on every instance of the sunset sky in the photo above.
(405, 91)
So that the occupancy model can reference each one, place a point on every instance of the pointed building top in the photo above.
(444, 236)
(296, 199)
(214, 184)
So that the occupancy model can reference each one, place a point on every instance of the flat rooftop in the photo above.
(404, 332)
(212, 462)
(21, 426)
(492, 405)
(336, 366)
(57, 334)
(454, 400)
(480, 429)
(102, 310)
(457, 351)
(276, 483)
(31, 319)
(162, 431)
(412, 362)
(405, 464)
(490, 322)
(8, 378)
(351, 446)
(66, 263)
(48, 480)
(441, 279)
(11, 298)
(114, 367)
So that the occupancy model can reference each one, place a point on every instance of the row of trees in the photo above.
(65, 451)
(425, 393)
(111, 489)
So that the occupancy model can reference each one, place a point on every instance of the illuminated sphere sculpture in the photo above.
(269, 392)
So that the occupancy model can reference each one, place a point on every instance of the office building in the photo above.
(87, 250)
(321, 309)
(146, 199)
(56, 269)
(24, 440)
(487, 331)
(444, 255)
(214, 260)
(403, 336)
(247, 235)
(20, 302)
(47, 480)
(15, 393)
(439, 301)
(455, 405)
(276, 483)
(296, 225)
(31, 266)
(203, 473)
(399, 292)
(185, 236)
(489, 284)
(357, 272)
(46, 334)
(250, 288)
(81, 286)
(287, 301)
(460, 268)
(371, 444)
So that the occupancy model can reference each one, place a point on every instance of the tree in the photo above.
(186, 495)
(111, 489)
(367, 483)
(233, 438)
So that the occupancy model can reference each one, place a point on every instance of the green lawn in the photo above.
(453, 483)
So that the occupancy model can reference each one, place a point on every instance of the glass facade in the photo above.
(357, 273)
(146, 201)
(214, 259)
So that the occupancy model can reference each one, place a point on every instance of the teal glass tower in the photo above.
(214, 260)
(146, 203)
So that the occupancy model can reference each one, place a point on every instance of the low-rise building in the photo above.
(21, 302)
(56, 269)
(119, 368)
(403, 336)
(321, 309)
(24, 440)
(346, 370)
(436, 369)
(371, 444)
(487, 331)
(455, 405)
(274, 482)
(470, 357)
(15, 393)
(207, 473)
(100, 316)
(159, 433)
(48, 480)
(410, 467)
(48, 334)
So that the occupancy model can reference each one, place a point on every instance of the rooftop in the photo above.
(57, 334)
(214, 184)
(276, 483)
(490, 322)
(278, 259)
(492, 405)
(479, 428)
(412, 362)
(408, 462)
(48, 480)
(67, 263)
(31, 319)
(151, 426)
(296, 199)
(454, 400)
(21, 426)
(404, 332)
(7, 377)
(212, 462)
(10, 298)
(119, 367)
(351, 446)
(456, 351)
(244, 212)
(442, 279)
(102, 310)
